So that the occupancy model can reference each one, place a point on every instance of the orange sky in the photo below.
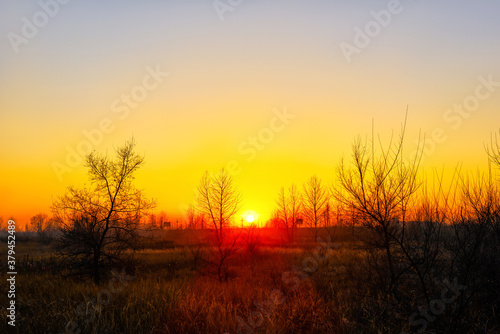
(104, 66)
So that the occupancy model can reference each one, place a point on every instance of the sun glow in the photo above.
(249, 217)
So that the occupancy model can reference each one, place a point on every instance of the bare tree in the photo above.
(295, 205)
(493, 152)
(282, 211)
(194, 219)
(100, 224)
(152, 221)
(162, 220)
(377, 188)
(419, 239)
(43, 225)
(289, 209)
(200, 221)
(315, 199)
(219, 200)
(157, 221)
(327, 214)
(38, 222)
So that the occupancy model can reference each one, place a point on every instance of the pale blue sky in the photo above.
(228, 75)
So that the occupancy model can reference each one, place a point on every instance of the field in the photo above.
(327, 286)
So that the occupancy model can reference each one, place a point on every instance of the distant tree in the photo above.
(289, 209)
(275, 221)
(295, 204)
(38, 222)
(201, 220)
(219, 200)
(43, 225)
(315, 199)
(152, 221)
(282, 210)
(99, 225)
(157, 221)
(191, 217)
(3, 224)
(194, 218)
(327, 214)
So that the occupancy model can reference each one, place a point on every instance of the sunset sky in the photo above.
(193, 83)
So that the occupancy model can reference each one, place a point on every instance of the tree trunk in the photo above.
(387, 247)
(97, 276)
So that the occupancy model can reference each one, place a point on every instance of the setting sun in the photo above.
(249, 217)
(230, 166)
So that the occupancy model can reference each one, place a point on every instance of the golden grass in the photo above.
(169, 295)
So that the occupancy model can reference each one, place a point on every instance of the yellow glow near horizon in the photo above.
(217, 107)
(249, 217)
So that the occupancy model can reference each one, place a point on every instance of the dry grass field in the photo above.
(328, 286)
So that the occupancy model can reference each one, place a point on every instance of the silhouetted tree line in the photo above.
(414, 237)
(417, 237)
